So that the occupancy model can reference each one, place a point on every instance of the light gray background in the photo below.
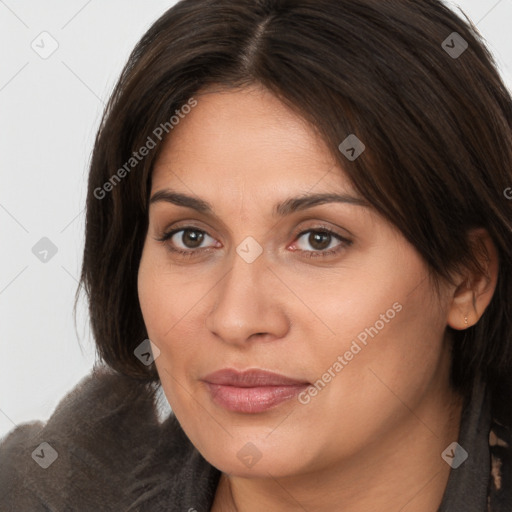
(50, 110)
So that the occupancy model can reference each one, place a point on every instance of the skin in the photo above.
(372, 438)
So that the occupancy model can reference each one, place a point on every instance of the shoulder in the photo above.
(101, 436)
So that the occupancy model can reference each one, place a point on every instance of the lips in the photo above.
(251, 391)
(250, 378)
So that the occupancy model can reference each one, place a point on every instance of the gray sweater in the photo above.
(105, 449)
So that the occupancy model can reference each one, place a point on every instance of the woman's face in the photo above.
(263, 286)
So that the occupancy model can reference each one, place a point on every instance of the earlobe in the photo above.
(462, 313)
(475, 290)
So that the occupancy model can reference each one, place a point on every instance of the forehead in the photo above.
(245, 138)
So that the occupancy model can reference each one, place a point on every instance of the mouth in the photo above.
(251, 391)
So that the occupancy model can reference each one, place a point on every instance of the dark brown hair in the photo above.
(437, 130)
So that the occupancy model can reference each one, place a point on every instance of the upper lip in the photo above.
(250, 378)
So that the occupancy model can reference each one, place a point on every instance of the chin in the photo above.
(256, 459)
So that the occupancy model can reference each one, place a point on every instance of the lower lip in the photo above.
(252, 400)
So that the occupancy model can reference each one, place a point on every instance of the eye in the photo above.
(188, 242)
(185, 241)
(324, 242)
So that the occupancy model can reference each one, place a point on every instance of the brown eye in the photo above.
(192, 239)
(186, 239)
(318, 240)
(321, 242)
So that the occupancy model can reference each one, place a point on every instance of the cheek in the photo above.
(169, 305)
(164, 298)
(386, 320)
(162, 310)
(370, 386)
(388, 357)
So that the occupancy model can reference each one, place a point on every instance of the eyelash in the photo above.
(307, 254)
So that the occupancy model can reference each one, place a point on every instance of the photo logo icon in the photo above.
(45, 45)
(454, 455)
(455, 45)
(45, 455)
(352, 147)
(44, 250)
(147, 352)
(249, 454)
(249, 250)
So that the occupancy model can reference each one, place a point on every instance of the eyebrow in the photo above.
(287, 207)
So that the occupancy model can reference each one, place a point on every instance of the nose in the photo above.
(247, 304)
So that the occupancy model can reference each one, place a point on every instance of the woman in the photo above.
(303, 205)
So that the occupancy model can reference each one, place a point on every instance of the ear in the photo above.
(474, 291)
